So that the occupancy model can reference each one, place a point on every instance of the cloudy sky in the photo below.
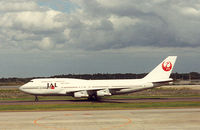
(50, 37)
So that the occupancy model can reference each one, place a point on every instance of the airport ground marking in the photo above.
(129, 121)
(45, 126)
(121, 125)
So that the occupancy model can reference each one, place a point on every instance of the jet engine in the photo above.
(148, 85)
(104, 92)
(81, 94)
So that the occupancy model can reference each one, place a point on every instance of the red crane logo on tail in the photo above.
(167, 66)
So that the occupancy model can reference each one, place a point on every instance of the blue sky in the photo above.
(48, 37)
(60, 5)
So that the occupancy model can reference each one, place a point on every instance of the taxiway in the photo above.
(151, 119)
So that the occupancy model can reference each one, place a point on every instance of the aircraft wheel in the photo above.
(36, 99)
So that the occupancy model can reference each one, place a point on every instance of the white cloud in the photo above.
(102, 24)
(46, 44)
(123, 22)
(23, 24)
(31, 20)
(17, 5)
(137, 23)
(191, 11)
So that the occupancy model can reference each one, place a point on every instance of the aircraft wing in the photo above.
(92, 91)
(97, 89)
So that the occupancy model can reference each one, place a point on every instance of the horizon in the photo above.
(92, 75)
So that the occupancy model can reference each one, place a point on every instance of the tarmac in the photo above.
(81, 101)
(151, 119)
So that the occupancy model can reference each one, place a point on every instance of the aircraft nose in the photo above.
(21, 88)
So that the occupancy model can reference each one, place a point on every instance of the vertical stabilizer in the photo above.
(162, 71)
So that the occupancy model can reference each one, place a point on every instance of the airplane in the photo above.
(94, 89)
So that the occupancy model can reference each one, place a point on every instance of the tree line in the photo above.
(175, 76)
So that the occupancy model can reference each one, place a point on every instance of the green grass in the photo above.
(97, 106)
(16, 95)
(32, 98)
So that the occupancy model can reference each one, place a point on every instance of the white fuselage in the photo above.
(67, 86)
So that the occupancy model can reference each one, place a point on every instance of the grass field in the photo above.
(16, 95)
(97, 106)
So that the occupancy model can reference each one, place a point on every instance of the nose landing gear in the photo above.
(36, 99)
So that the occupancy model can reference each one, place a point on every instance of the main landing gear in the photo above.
(94, 98)
(36, 99)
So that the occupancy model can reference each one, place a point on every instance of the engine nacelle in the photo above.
(148, 85)
(104, 92)
(81, 94)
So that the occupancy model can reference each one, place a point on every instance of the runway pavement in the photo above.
(81, 101)
(137, 100)
(10, 87)
(152, 119)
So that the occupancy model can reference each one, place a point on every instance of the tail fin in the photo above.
(162, 71)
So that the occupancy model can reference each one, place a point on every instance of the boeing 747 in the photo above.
(93, 89)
